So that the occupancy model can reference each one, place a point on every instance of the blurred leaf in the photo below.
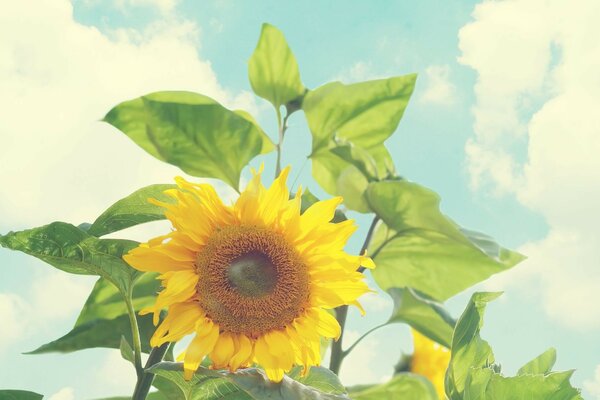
(193, 132)
(320, 378)
(425, 315)
(19, 395)
(405, 386)
(70, 249)
(249, 383)
(132, 210)
(105, 302)
(542, 364)
(362, 115)
(273, 70)
(417, 246)
(126, 350)
(103, 321)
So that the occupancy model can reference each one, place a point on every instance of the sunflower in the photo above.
(430, 359)
(253, 280)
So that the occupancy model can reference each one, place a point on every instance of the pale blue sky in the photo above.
(349, 40)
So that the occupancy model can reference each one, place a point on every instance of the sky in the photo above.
(503, 124)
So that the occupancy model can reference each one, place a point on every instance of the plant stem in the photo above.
(341, 313)
(282, 127)
(135, 335)
(349, 349)
(143, 385)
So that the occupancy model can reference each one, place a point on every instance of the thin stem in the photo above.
(135, 334)
(349, 349)
(368, 239)
(341, 313)
(282, 127)
(143, 385)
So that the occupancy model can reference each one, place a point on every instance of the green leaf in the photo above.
(362, 115)
(468, 349)
(423, 314)
(273, 70)
(19, 395)
(249, 383)
(105, 301)
(358, 157)
(193, 132)
(542, 364)
(554, 386)
(405, 386)
(72, 250)
(473, 375)
(365, 113)
(103, 321)
(100, 333)
(320, 378)
(126, 350)
(417, 246)
(132, 210)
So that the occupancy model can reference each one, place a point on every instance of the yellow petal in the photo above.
(223, 351)
(200, 346)
(243, 352)
(325, 323)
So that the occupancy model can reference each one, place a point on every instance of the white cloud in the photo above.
(438, 88)
(538, 87)
(66, 393)
(593, 386)
(57, 295)
(363, 355)
(13, 311)
(359, 71)
(118, 372)
(58, 78)
(164, 6)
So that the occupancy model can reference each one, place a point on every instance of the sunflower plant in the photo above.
(257, 289)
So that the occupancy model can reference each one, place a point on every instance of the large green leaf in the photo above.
(71, 249)
(250, 383)
(405, 386)
(473, 375)
(417, 246)
(103, 321)
(193, 132)
(132, 210)
(104, 333)
(273, 70)
(363, 116)
(423, 314)
(364, 113)
(19, 395)
(542, 364)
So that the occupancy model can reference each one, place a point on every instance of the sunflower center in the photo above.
(251, 280)
(252, 275)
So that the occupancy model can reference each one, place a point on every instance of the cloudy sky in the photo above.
(504, 124)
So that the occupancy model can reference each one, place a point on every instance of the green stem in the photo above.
(341, 313)
(135, 334)
(282, 127)
(143, 385)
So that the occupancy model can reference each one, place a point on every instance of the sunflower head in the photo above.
(253, 280)
(430, 359)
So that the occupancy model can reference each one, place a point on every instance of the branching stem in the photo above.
(135, 335)
(341, 313)
(282, 127)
